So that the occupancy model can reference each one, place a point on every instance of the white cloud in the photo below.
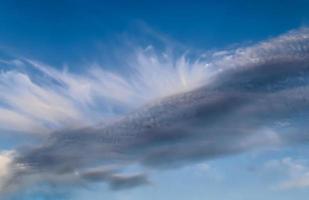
(30, 107)
(296, 172)
(62, 99)
(205, 167)
(5, 168)
(209, 171)
(301, 181)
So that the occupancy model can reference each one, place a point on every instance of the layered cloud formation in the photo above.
(165, 112)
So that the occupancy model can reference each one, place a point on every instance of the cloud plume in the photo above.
(167, 113)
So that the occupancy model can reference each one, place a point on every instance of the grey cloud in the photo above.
(118, 182)
(270, 65)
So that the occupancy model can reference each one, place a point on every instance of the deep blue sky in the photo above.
(71, 30)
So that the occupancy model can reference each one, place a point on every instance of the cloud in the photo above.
(128, 181)
(42, 99)
(168, 112)
(5, 161)
(299, 182)
(296, 171)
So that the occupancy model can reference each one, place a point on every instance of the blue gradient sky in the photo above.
(75, 32)
(70, 30)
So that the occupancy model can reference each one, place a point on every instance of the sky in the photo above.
(141, 100)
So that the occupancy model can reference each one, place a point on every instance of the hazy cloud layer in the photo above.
(295, 172)
(168, 113)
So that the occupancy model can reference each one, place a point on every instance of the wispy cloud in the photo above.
(45, 99)
(295, 172)
(167, 112)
